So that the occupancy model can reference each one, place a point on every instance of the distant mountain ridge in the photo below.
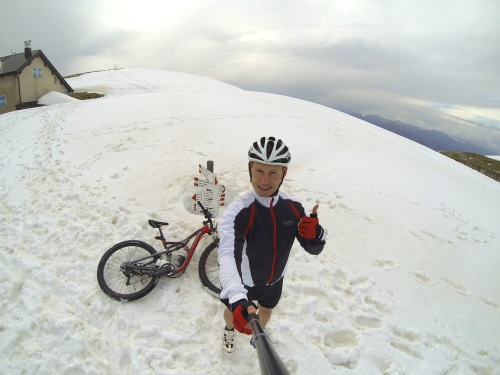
(433, 139)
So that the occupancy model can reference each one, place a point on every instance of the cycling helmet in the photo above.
(268, 150)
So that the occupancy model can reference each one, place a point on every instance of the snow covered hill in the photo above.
(407, 284)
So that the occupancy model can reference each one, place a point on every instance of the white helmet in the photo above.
(268, 150)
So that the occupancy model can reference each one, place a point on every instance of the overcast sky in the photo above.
(430, 63)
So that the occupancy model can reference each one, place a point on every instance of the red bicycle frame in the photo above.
(199, 235)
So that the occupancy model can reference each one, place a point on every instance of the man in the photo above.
(257, 232)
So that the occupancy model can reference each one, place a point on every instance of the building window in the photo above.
(37, 72)
(3, 101)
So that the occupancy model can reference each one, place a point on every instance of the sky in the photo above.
(430, 64)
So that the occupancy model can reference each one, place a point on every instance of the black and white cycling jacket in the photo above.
(256, 236)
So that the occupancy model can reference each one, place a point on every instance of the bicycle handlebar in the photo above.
(208, 215)
(206, 212)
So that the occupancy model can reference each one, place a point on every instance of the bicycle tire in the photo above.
(111, 278)
(209, 269)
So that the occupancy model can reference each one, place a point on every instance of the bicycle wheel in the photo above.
(209, 269)
(113, 279)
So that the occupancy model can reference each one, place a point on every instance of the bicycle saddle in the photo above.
(156, 224)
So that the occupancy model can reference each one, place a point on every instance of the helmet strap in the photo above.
(285, 169)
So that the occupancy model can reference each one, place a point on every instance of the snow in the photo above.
(407, 283)
(54, 97)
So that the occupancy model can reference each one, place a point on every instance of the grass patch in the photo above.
(482, 164)
(86, 95)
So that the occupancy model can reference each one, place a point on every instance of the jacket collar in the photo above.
(265, 201)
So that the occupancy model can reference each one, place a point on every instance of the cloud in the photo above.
(354, 54)
(391, 58)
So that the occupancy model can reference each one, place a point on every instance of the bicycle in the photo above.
(131, 269)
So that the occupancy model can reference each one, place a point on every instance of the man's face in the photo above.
(266, 178)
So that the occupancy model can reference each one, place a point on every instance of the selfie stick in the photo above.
(270, 362)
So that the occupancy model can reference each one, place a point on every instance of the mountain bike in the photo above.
(131, 269)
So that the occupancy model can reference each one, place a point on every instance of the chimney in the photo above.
(27, 49)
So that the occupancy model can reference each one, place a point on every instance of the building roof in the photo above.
(15, 64)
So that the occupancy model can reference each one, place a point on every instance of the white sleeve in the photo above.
(232, 287)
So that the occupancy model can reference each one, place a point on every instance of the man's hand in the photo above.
(241, 310)
(309, 227)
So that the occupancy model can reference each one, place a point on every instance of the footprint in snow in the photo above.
(341, 339)
(489, 302)
(459, 288)
(421, 278)
(366, 321)
(386, 264)
(406, 349)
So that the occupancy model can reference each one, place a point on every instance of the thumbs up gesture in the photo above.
(309, 227)
(314, 212)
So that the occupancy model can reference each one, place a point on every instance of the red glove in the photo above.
(240, 315)
(308, 227)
